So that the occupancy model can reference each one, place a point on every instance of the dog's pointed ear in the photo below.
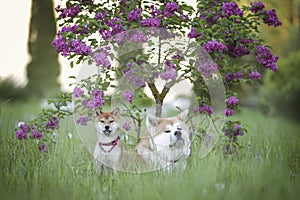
(116, 112)
(97, 113)
(152, 120)
(183, 115)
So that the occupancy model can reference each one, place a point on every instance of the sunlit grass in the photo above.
(266, 168)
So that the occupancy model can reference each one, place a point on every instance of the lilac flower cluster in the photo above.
(234, 76)
(135, 75)
(264, 57)
(170, 71)
(228, 112)
(134, 15)
(206, 68)
(128, 95)
(75, 46)
(96, 101)
(254, 75)
(232, 101)
(53, 123)
(231, 8)
(204, 109)
(151, 22)
(101, 58)
(139, 37)
(270, 18)
(234, 131)
(75, 29)
(114, 27)
(170, 9)
(68, 12)
(238, 51)
(156, 12)
(212, 46)
(126, 126)
(77, 92)
(257, 7)
(193, 34)
(82, 120)
(24, 130)
(102, 15)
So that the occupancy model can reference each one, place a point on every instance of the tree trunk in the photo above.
(43, 68)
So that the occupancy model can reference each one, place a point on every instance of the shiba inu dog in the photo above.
(108, 150)
(169, 140)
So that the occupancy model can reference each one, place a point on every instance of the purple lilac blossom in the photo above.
(229, 76)
(193, 34)
(134, 15)
(21, 134)
(232, 101)
(206, 68)
(68, 12)
(231, 8)
(228, 112)
(135, 75)
(238, 130)
(53, 123)
(78, 47)
(170, 71)
(170, 9)
(75, 29)
(77, 92)
(36, 134)
(128, 95)
(264, 57)
(126, 126)
(139, 38)
(61, 45)
(82, 120)
(256, 7)
(254, 75)
(101, 57)
(151, 22)
(43, 147)
(270, 18)
(212, 46)
(238, 75)
(155, 12)
(204, 109)
(102, 15)
(238, 51)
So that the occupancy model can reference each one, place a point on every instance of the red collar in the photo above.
(113, 144)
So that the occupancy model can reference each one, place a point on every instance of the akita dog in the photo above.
(169, 140)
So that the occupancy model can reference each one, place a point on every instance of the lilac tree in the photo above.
(113, 36)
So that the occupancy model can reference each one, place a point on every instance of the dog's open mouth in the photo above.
(106, 132)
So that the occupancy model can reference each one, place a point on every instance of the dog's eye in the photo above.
(111, 121)
(102, 121)
(168, 131)
(179, 128)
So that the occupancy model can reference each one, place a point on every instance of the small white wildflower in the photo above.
(20, 124)
(70, 135)
(220, 186)
(54, 135)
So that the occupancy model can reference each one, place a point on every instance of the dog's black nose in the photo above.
(106, 127)
(177, 133)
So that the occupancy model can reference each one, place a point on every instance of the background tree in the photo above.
(43, 68)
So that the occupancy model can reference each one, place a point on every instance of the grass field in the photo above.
(267, 168)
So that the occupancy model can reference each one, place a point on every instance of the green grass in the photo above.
(267, 168)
